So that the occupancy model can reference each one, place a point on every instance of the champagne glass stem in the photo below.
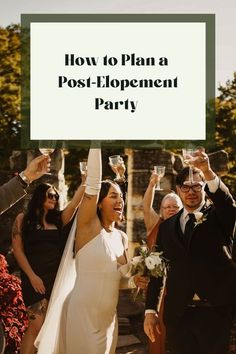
(136, 293)
(191, 175)
(158, 186)
(118, 175)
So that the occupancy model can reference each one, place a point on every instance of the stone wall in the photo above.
(139, 167)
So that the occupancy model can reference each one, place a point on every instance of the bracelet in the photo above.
(23, 180)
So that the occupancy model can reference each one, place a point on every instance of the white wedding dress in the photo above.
(88, 323)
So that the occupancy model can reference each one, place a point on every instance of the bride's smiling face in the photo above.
(112, 206)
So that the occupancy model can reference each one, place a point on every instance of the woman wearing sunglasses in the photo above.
(37, 240)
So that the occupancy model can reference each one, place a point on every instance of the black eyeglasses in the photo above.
(185, 188)
(52, 196)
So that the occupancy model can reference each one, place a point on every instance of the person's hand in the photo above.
(37, 167)
(201, 160)
(83, 177)
(154, 179)
(141, 281)
(37, 284)
(151, 326)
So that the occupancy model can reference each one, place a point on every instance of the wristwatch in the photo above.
(23, 180)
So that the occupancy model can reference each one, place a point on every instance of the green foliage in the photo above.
(10, 75)
(226, 120)
(226, 128)
(230, 181)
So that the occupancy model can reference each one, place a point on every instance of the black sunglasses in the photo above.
(185, 188)
(52, 196)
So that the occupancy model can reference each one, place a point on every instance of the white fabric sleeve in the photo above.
(213, 184)
(216, 183)
(47, 338)
(94, 172)
(150, 311)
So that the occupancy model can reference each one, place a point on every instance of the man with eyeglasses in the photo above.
(201, 279)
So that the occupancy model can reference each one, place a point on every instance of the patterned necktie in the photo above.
(189, 228)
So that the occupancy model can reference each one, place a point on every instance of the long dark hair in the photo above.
(105, 187)
(33, 218)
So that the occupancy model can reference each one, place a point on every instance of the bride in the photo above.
(88, 322)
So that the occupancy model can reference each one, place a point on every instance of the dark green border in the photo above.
(208, 19)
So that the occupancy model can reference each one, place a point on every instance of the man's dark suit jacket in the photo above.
(204, 267)
(10, 193)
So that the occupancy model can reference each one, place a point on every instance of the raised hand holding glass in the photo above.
(188, 155)
(160, 171)
(83, 167)
(114, 162)
(47, 147)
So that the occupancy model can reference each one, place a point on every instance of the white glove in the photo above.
(94, 172)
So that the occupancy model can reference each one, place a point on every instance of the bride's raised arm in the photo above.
(88, 224)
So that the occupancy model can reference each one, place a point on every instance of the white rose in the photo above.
(136, 260)
(155, 256)
(198, 215)
(144, 248)
(150, 263)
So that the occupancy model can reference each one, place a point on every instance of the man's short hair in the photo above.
(184, 173)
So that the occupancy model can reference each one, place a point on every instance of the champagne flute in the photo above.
(114, 162)
(188, 155)
(83, 167)
(47, 147)
(160, 171)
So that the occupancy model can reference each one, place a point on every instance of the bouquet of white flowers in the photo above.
(148, 263)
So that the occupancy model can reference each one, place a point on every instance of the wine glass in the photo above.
(83, 167)
(188, 155)
(160, 171)
(114, 162)
(47, 147)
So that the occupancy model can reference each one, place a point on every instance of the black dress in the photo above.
(43, 249)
